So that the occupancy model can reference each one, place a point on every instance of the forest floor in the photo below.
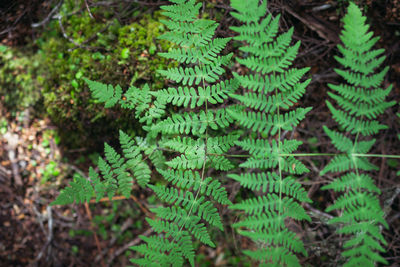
(34, 163)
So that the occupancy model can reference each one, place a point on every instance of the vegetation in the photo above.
(210, 134)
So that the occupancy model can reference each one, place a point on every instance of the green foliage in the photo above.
(190, 195)
(117, 173)
(360, 100)
(272, 88)
(19, 78)
(187, 138)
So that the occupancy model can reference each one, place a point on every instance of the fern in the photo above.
(190, 195)
(273, 88)
(186, 149)
(80, 190)
(118, 172)
(360, 101)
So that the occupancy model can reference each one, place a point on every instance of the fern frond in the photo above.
(134, 159)
(370, 111)
(182, 10)
(197, 33)
(283, 81)
(269, 124)
(247, 12)
(353, 125)
(183, 96)
(269, 65)
(187, 76)
(123, 177)
(202, 207)
(284, 238)
(271, 182)
(79, 190)
(354, 182)
(279, 255)
(359, 94)
(272, 203)
(183, 219)
(191, 122)
(182, 238)
(190, 179)
(204, 54)
(265, 107)
(188, 161)
(271, 104)
(104, 93)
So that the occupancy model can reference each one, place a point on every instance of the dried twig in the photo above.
(88, 9)
(49, 235)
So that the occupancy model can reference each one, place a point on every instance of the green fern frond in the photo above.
(246, 12)
(187, 76)
(272, 89)
(215, 145)
(183, 219)
(197, 33)
(183, 96)
(354, 125)
(203, 208)
(358, 94)
(117, 175)
(80, 190)
(354, 182)
(191, 122)
(134, 159)
(190, 179)
(182, 11)
(205, 54)
(265, 220)
(104, 93)
(272, 203)
(284, 238)
(341, 142)
(269, 124)
(360, 101)
(190, 194)
(352, 199)
(183, 240)
(188, 161)
(357, 109)
(273, 254)
(283, 81)
(270, 182)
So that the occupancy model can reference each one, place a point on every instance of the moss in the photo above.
(18, 78)
(118, 54)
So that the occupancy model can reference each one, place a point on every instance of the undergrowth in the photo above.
(192, 126)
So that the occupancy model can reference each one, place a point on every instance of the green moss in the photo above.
(117, 54)
(19, 88)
